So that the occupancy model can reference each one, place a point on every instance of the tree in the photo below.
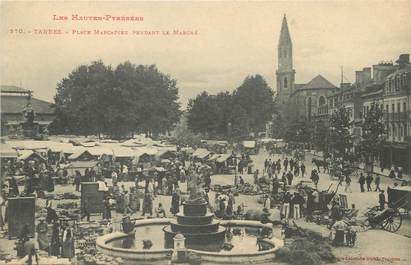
(183, 136)
(80, 99)
(341, 142)
(321, 136)
(372, 139)
(256, 98)
(94, 99)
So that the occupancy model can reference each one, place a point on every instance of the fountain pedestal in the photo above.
(197, 226)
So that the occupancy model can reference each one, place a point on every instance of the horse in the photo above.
(321, 163)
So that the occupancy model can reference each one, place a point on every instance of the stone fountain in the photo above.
(197, 225)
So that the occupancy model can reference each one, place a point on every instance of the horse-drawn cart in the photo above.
(400, 198)
(390, 219)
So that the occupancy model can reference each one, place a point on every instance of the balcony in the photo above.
(396, 117)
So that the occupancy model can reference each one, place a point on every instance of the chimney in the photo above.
(366, 75)
(403, 60)
(358, 77)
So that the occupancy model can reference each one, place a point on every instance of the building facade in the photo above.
(397, 116)
(297, 101)
(14, 101)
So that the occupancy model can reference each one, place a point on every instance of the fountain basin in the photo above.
(160, 254)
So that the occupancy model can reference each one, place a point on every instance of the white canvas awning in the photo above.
(201, 153)
(7, 152)
(249, 144)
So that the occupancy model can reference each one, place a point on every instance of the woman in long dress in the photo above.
(68, 244)
(55, 240)
(175, 203)
(2, 206)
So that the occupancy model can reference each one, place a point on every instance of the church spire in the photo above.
(285, 38)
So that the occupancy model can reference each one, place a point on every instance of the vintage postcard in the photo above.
(205, 132)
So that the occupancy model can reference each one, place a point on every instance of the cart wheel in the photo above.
(392, 223)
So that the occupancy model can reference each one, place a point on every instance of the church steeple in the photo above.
(285, 72)
(285, 48)
(285, 38)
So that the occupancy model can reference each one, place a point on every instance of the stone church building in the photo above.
(297, 101)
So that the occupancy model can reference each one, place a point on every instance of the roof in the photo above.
(285, 33)
(319, 82)
(16, 104)
(25, 154)
(406, 69)
(78, 154)
(83, 164)
(13, 89)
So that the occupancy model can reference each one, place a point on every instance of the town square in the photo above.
(120, 147)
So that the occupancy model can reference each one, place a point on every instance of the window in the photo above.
(386, 108)
(309, 108)
(285, 82)
(404, 107)
(392, 108)
(321, 101)
(394, 132)
(399, 107)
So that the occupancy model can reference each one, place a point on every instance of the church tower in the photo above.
(285, 72)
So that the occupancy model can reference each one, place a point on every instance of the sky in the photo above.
(234, 40)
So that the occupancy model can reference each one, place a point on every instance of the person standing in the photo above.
(42, 235)
(127, 208)
(114, 176)
(361, 180)
(107, 209)
(147, 205)
(297, 170)
(381, 200)
(256, 177)
(348, 184)
(297, 201)
(278, 166)
(285, 164)
(291, 164)
(377, 183)
(55, 240)
(86, 212)
(302, 169)
(77, 180)
(175, 203)
(68, 244)
(369, 180)
(286, 205)
(3, 202)
(290, 178)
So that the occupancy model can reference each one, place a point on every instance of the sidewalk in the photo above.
(377, 169)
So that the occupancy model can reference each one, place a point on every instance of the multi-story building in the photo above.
(396, 102)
